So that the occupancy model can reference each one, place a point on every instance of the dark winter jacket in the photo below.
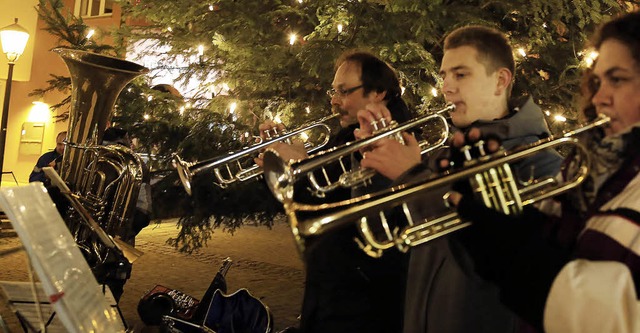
(444, 294)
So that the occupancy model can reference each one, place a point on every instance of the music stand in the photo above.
(66, 281)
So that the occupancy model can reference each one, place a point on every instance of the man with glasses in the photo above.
(345, 289)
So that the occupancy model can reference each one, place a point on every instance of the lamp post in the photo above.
(14, 39)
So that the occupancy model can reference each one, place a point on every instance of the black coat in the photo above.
(347, 290)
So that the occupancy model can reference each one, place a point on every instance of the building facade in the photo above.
(31, 126)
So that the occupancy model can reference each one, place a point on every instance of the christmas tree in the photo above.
(237, 63)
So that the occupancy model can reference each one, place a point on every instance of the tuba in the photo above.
(105, 180)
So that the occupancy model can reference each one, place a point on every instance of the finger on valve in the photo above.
(373, 117)
(270, 129)
(379, 111)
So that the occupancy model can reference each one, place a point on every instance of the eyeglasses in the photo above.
(342, 92)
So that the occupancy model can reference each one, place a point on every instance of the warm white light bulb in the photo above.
(339, 28)
(211, 8)
(232, 107)
(308, 109)
(146, 116)
(39, 113)
(560, 118)
(90, 33)
(434, 92)
(277, 120)
(200, 49)
(522, 52)
(590, 58)
(292, 39)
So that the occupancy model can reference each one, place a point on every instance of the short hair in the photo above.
(376, 75)
(61, 133)
(494, 50)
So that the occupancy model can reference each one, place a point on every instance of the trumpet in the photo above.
(490, 177)
(281, 176)
(230, 168)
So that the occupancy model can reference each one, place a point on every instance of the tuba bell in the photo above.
(105, 180)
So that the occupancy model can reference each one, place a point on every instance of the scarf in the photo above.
(607, 156)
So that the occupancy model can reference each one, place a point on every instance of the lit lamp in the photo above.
(14, 39)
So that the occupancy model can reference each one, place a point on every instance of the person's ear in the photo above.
(504, 80)
(379, 96)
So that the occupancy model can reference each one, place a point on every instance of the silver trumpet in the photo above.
(490, 177)
(281, 175)
(232, 168)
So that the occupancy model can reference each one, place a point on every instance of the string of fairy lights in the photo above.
(587, 58)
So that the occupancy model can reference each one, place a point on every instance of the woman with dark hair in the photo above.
(573, 264)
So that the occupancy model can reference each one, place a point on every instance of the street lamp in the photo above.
(14, 39)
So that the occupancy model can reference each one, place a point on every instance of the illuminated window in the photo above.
(91, 8)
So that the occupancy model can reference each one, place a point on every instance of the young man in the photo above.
(443, 292)
(345, 289)
(48, 159)
(577, 269)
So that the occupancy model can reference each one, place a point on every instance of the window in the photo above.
(91, 8)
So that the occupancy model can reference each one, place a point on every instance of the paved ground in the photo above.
(265, 261)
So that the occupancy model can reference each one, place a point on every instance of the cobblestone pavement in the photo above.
(265, 261)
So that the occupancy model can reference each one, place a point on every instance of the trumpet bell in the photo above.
(182, 167)
(279, 177)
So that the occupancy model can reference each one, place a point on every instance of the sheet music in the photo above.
(65, 275)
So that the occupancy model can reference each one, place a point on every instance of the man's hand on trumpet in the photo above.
(374, 117)
(270, 130)
(389, 157)
(465, 147)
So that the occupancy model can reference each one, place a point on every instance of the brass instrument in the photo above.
(230, 168)
(281, 176)
(105, 180)
(490, 177)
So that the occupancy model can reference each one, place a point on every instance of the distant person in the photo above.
(48, 159)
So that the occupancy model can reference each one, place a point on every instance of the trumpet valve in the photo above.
(480, 146)
(374, 125)
(466, 150)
